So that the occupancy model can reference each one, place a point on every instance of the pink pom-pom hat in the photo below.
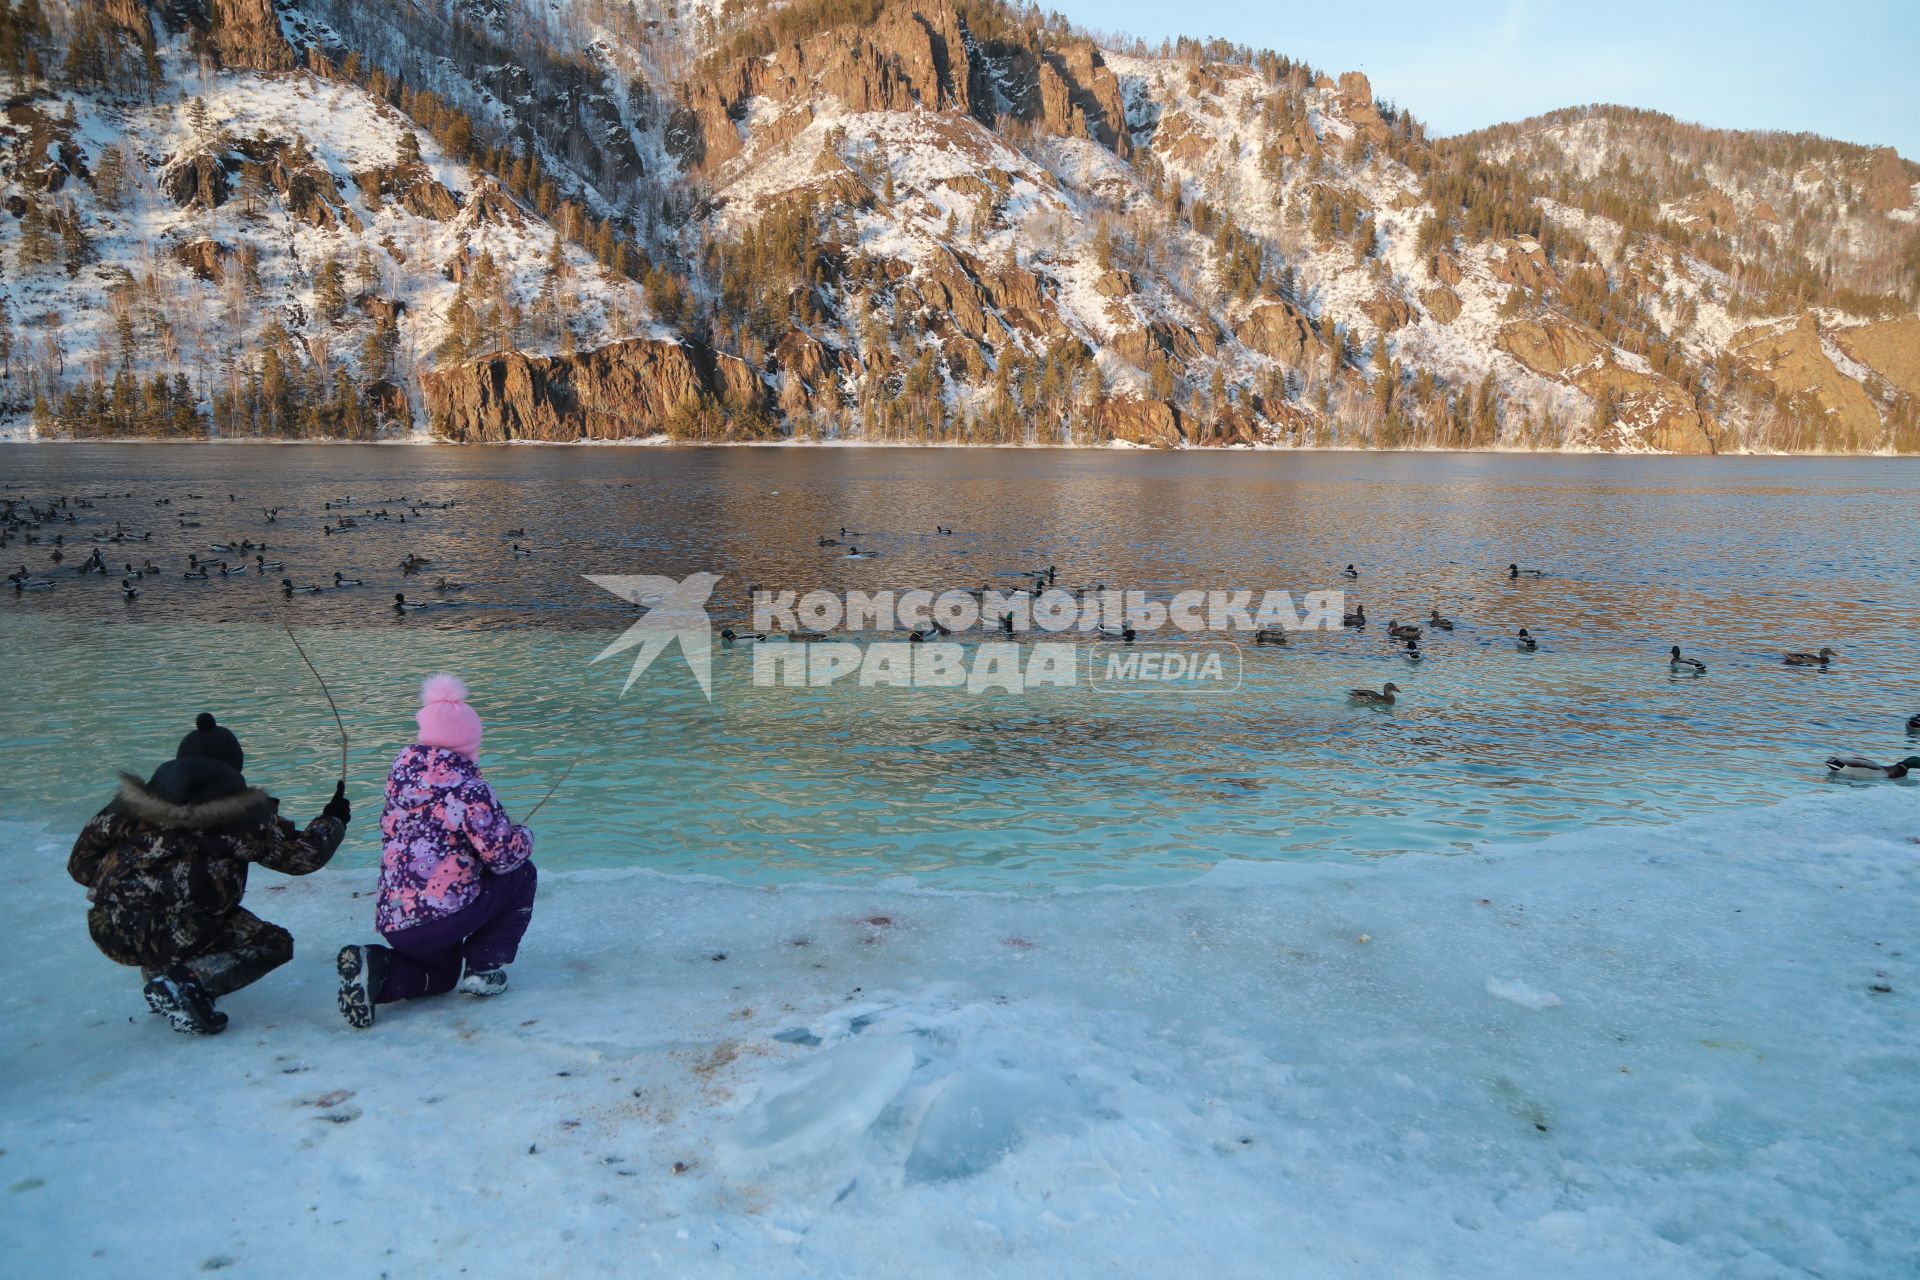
(445, 719)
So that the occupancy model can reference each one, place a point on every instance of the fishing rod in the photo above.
(328, 693)
(556, 785)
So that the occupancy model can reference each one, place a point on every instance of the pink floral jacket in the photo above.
(442, 829)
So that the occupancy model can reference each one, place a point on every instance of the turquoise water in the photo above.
(1734, 559)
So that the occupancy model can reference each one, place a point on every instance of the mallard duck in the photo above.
(829, 542)
(1913, 724)
(128, 590)
(942, 529)
(1357, 618)
(229, 570)
(517, 533)
(1868, 771)
(198, 571)
(32, 584)
(1125, 635)
(855, 553)
(1819, 659)
(1402, 632)
(288, 589)
(1437, 622)
(1515, 571)
(803, 636)
(342, 580)
(226, 547)
(1370, 698)
(403, 605)
(1525, 643)
(1413, 649)
(1684, 666)
(520, 552)
(729, 637)
(1350, 572)
(444, 584)
(1270, 635)
(265, 565)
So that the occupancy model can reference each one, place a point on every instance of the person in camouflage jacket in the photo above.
(165, 867)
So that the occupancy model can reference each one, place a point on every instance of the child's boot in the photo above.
(362, 971)
(177, 996)
(484, 982)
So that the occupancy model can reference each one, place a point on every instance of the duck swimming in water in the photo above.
(1684, 666)
(1913, 724)
(342, 580)
(1525, 643)
(1413, 649)
(1402, 632)
(1357, 618)
(1125, 635)
(128, 590)
(444, 584)
(1437, 622)
(1515, 571)
(1819, 659)
(198, 571)
(287, 589)
(1867, 771)
(1270, 635)
(403, 605)
(228, 571)
(1350, 572)
(265, 565)
(855, 553)
(729, 637)
(1383, 697)
(31, 584)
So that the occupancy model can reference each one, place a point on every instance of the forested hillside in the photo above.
(872, 219)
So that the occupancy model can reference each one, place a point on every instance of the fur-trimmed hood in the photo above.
(192, 808)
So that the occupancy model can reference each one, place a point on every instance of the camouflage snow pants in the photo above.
(225, 952)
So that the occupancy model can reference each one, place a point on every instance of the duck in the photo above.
(1867, 771)
(517, 533)
(227, 547)
(1684, 666)
(1515, 571)
(198, 571)
(829, 542)
(403, 605)
(1525, 643)
(128, 590)
(1913, 724)
(729, 637)
(1383, 697)
(1437, 622)
(1125, 635)
(265, 565)
(287, 589)
(440, 584)
(520, 552)
(342, 580)
(855, 553)
(799, 637)
(1350, 573)
(1399, 631)
(1358, 618)
(32, 584)
(1270, 635)
(942, 529)
(1819, 659)
(1413, 649)
(413, 563)
(229, 570)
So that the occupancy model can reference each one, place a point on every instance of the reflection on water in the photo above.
(1734, 559)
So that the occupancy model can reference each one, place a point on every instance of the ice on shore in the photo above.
(1644, 1052)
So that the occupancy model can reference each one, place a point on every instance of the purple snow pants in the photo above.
(425, 960)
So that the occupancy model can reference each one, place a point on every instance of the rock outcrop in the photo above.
(1280, 330)
(628, 389)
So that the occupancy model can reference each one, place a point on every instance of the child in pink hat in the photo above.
(456, 880)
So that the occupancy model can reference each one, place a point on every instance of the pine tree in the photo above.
(110, 178)
(36, 248)
(330, 290)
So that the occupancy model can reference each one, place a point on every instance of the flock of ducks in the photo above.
(33, 525)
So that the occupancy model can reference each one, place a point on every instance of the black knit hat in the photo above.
(211, 740)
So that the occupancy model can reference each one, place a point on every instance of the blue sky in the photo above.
(1847, 69)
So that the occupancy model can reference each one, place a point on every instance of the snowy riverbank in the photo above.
(1627, 1052)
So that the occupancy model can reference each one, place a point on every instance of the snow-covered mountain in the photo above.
(555, 219)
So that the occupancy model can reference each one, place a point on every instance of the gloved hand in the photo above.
(338, 806)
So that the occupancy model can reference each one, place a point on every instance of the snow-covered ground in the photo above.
(1628, 1053)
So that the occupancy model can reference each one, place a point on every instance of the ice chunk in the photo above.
(819, 1101)
(1521, 994)
(975, 1118)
